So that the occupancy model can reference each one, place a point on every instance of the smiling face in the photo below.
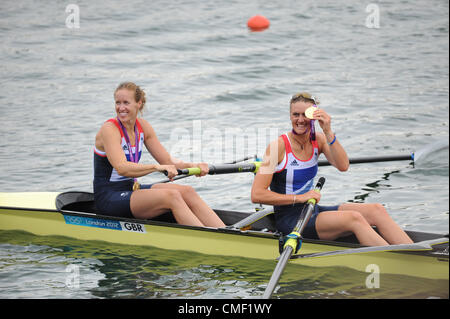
(126, 106)
(300, 123)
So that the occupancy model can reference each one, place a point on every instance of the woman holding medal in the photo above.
(118, 148)
(285, 180)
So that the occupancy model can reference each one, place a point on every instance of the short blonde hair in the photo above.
(304, 97)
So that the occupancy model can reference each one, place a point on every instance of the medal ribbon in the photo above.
(312, 135)
(133, 157)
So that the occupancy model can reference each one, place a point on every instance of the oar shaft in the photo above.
(413, 157)
(252, 218)
(223, 169)
(254, 166)
(374, 159)
(304, 219)
(275, 278)
(233, 168)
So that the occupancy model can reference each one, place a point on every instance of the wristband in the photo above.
(334, 140)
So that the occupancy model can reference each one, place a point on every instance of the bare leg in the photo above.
(186, 205)
(149, 203)
(332, 224)
(195, 203)
(376, 215)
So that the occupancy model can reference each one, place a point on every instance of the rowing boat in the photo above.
(73, 214)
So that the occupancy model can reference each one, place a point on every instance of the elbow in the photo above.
(122, 170)
(344, 168)
(255, 198)
(122, 173)
(259, 196)
(340, 166)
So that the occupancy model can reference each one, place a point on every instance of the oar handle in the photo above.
(318, 188)
(320, 183)
(189, 171)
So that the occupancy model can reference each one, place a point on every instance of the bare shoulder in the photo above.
(273, 156)
(276, 147)
(147, 128)
(108, 128)
(279, 145)
(143, 122)
(107, 132)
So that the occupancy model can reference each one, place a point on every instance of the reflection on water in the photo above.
(45, 267)
(373, 187)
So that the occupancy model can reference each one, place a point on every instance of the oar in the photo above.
(251, 167)
(182, 175)
(422, 245)
(252, 218)
(291, 243)
(414, 157)
(254, 166)
(374, 159)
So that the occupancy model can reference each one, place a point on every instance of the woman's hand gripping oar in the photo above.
(251, 167)
(293, 242)
(183, 173)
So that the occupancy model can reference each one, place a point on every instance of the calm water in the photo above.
(217, 92)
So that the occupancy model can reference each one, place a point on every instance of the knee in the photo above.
(173, 196)
(355, 219)
(375, 207)
(379, 215)
(378, 210)
(187, 190)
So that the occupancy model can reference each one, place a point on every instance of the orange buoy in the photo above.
(258, 23)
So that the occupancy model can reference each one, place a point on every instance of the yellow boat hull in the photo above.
(36, 213)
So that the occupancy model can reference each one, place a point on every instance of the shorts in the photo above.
(286, 218)
(114, 200)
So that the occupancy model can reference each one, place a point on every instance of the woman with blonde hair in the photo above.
(118, 149)
(286, 180)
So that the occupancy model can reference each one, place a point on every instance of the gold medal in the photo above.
(309, 113)
(136, 185)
